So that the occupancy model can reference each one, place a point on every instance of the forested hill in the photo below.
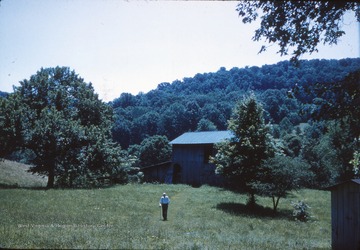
(205, 101)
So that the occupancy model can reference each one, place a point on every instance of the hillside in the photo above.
(206, 100)
(14, 174)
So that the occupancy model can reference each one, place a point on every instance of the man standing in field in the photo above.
(164, 203)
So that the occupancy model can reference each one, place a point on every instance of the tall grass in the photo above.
(129, 217)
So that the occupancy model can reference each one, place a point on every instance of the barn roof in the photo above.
(356, 181)
(205, 137)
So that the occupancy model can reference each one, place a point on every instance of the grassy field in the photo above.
(128, 217)
(14, 174)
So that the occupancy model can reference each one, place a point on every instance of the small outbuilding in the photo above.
(190, 157)
(345, 215)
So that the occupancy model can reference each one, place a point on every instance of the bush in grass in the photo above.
(301, 211)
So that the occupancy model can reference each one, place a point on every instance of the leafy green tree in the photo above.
(67, 127)
(273, 100)
(121, 131)
(10, 125)
(205, 125)
(144, 126)
(153, 150)
(239, 160)
(337, 102)
(173, 121)
(280, 175)
(212, 113)
(192, 114)
(297, 25)
(286, 125)
(3, 94)
(293, 145)
(345, 144)
(356, 164)
(125, 100)
(318, 151)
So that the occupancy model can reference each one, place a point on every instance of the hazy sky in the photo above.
(132, 46)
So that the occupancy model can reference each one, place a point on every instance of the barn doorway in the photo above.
(177, 174)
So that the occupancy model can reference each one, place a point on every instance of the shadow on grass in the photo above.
(255, 211)
(15, 186)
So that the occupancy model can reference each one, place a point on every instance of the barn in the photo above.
(345, 215)
(190, 157)
(159, 173)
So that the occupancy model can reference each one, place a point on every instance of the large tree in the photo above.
(297, 26)
(239, 159)
(10, 125)
(153, 150)
(62, 121)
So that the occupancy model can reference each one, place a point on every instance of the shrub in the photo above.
(301, 211)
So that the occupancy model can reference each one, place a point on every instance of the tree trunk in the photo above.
(251, 201)
(51, 177)
(275, 203)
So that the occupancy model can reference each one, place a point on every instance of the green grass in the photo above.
(14, 174)
(128, 217)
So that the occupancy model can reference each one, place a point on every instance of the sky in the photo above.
(132, 46)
